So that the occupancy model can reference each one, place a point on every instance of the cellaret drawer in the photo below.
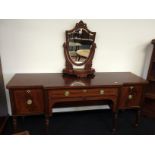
(131, 96)
(27, 101)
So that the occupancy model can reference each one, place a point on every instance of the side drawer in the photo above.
(131, 96)
(28, 101)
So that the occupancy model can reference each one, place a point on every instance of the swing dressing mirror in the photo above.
(79, 50)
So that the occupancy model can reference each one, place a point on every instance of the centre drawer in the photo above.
(83, 92)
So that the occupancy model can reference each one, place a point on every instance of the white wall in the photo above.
(36, 45)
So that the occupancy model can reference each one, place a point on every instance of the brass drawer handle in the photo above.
(130, 97)
(84, 90)
(28, 91)
(66, 93)
(29, 102)
(101, 92)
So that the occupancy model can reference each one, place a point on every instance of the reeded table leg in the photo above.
(115, 117)
(14, 123)
(47, 123)
(138, 114)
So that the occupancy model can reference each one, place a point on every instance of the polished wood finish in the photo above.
(149, 100)
(48, 89)
(87, 70)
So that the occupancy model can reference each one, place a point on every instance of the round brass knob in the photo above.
(29, 102)
(101, 92)
(130, 97)
(66, 93)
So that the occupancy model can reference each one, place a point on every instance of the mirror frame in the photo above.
(87, 70)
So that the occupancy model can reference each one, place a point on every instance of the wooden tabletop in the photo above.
(57, 80)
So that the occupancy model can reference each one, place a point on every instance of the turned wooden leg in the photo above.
(14, 123)
(115, 116)
(138, 114)
(47, 123)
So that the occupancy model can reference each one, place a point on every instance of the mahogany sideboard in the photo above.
(37, 93)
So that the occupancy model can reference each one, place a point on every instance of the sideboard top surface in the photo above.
(55, 80)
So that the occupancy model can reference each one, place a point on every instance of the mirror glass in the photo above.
(80, 42)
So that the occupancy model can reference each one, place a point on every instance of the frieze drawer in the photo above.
(83, 92)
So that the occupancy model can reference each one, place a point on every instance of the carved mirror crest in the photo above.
(79, 50)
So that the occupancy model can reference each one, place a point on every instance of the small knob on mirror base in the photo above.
(29, 102)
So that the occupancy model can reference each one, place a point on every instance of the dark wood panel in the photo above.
(149, 101)
(149, 108)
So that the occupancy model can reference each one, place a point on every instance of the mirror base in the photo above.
(79, 72)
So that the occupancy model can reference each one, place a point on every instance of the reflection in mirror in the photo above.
(77, 83)
(80, 42)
